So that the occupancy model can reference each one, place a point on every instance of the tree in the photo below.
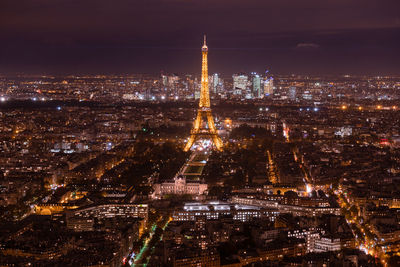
(394, 261)
(354, 210)
(216, 191)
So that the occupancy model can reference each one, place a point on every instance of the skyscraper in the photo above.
(256, 85)
(164, 80)
(292, 93)
(214, 83)
(240, 81)
(268, 86)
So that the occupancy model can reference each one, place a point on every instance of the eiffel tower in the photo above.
(204, 110)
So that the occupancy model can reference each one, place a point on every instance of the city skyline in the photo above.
(117, 149)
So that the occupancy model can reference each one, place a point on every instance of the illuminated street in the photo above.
(366, 240)
(155, 235)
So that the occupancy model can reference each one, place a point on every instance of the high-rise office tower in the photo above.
(240, 81)
(256, 85)
(268, 86)
(214, 83)
(164, 80)
(292, 93)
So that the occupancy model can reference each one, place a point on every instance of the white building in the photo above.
(112, 210)
(292, 93)
(214, 81)
(179, 186)
(309, 234)
(214, 210)
(325, 244)
(240, 83)
(256, 83)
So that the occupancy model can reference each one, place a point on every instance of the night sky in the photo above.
(147, 36)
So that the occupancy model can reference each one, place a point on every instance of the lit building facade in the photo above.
(214, 79)
(268, 86)
(179, 186)
(113, 210)
(292, 93)
(216, 210)
(325, 244)
(256, 84)
(283, 208)
(239, 83)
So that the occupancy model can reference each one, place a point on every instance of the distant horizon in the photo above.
(223, 75)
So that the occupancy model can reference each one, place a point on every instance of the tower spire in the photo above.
(205, 48)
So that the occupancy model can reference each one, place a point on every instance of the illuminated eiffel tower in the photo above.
(204, 111)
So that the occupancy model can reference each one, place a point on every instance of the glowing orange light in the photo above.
(344, 107)
(204, 109)
(378, 106)
(228, 122)
(359, 108)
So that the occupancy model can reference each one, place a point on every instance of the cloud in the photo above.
(307, 46)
